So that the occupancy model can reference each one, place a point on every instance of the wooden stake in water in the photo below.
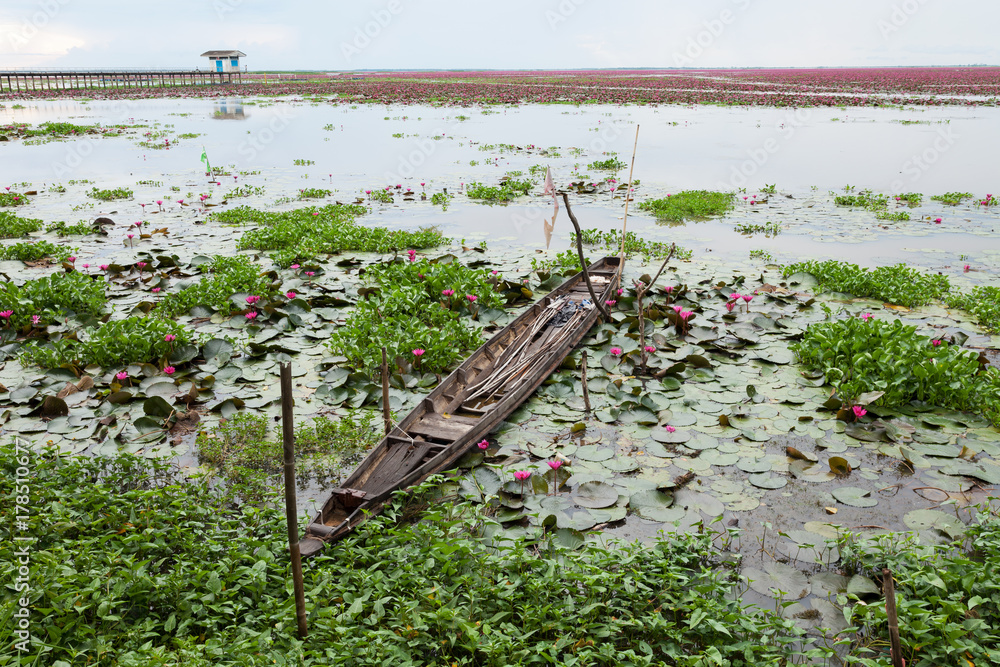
(291, 513)
(889, 590)
(386, 414)
(628, 191)
(583, 376)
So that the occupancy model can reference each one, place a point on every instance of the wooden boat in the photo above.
(468, 404)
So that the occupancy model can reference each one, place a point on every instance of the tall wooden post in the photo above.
(386, 413)
(889, 590)
(583, 377)
(291, 515)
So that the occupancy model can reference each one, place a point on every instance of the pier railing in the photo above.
(15, 79)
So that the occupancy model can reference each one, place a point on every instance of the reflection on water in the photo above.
(229, 110)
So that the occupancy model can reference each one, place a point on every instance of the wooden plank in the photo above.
(434, 425)
(400, 462)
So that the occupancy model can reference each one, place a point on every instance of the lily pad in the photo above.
(855, 497)
(778, 580)
(595, 495)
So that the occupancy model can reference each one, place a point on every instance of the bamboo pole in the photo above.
(889, 589)
(288, 440)
(579, 249)
(583, 376)
(628, 188)
(386, 414)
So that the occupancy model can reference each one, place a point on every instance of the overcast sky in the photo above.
(511, 34)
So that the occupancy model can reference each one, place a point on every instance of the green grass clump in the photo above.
(895, 216)
(133, 340)
(770, 228)
(865, 199)
(506, 191)
(402, 319)
(959, 626)
(13, 199)
(53, 298)
(952, 198)
(434, 276)
(227, 277)
(34, 251)
(138, 566)
(81, 228)
(611, 164)
(983, 302)
(110, 194)
(13, 226)
(634, 244)
(300, 236)
(313, 193)
(897, 284)
(690, 204)
(910, 198)
(858, 356)
(247, 456)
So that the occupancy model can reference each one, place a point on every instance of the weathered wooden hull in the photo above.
(476, 398)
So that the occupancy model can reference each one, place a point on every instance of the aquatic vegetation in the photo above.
(400, 319)
(116, 343)
(952, 198)
(506, 191)
(865, 199)
(611, 164)
(52, 298)
(219, 568)
(690, 204)
(983, 302)
(81, 228)
(13, 226)
(962, 622)
(897, 284)
(304, 233)
(770, 228)
(858, 356)
(226, 280)
(761, 255)
(8, 198)
(110, 194)
(249, 458)
(304, 163)
(313, 193)
(895, 216)
(381, 195)
(441, 199)
(910, 198)
(634, 244)
(770, 189)
(32, 251)
(244, 191)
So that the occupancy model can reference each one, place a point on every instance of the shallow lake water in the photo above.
(807, 154)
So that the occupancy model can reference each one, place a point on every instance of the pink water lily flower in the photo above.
(859, 411)
(936, 342)
(483, 444)
(669, 428)
(6, 314)
(735, 296)
(418, 352)
(555, 464)
(169, 370)
(650, 348)
(610, 302)
(290, 295)
(730, 305)
(615, 351)
(522, 475)
(471, 297)
(447, 292)
(253, 299)
(170, 338)
(294, 266)
(123, 375)
(866, 316)
(35, 319)
(251, 315)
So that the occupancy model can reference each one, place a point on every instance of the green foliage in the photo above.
(402, 319)
(506, 191)
(132, 567)
(434, 276)
(690, 204)
(895, 216)
(227, 277)
(952, 198)
(442, 199)
(770, 189)
(245, 190)
(13, 226)
(911, 198)
(865, 199)
(857, 357)
(770, 228)
(897, 284)
(250, 459)
(611, 164)
(13, 199)
(133, 340)
(761, 255)
(947, 597)
(32, 251)
(634, 244)
(79, 229)
(110, 194)
(983, 302)
(53, 298)
(381, 195)
(300, 235)
(313, 193)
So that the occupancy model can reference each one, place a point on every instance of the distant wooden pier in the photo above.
(35, 80)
